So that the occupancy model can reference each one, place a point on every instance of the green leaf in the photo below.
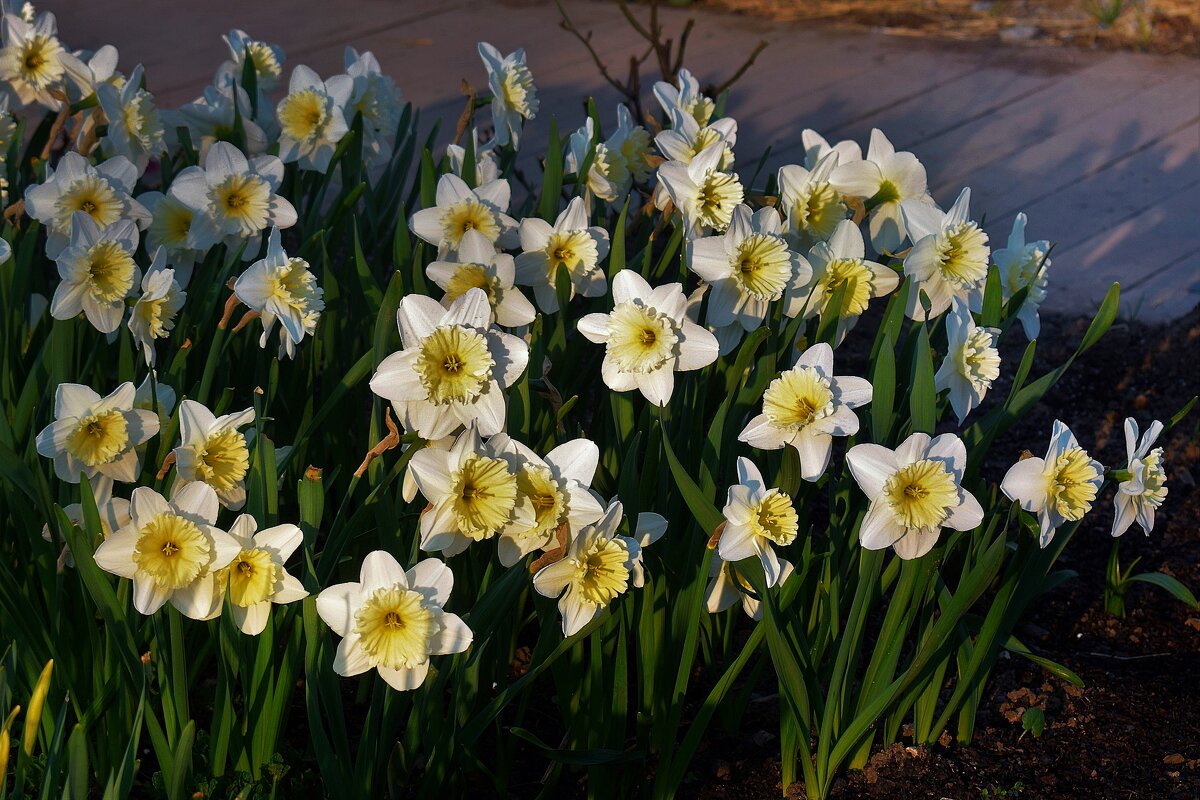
(1033, 720)
(922, 398)
(583, 758)
(1013, 645)
(181, 767)
(701, 506)
(553, 177)
(883, 390)
(993, 300)
(1168, 584)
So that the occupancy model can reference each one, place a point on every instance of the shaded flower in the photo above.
(569, 243)
(1145, 488)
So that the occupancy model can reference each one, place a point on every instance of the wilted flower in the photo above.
(725, 587)
(312, 118)
(393, 620)
(100, 192)
(756, 518)
(806, 407)
(97, 271)
(282, 290)
(478, 265)
(153, 315)
(1023, 265)
(704, 195)
(460, 209)
(453, 368)
(570, 243)
(172, 551)
(883, 179)
(514, 97)
(1145, 488)
(949, 256)
(1058, 488)
(972, 361)
(686, 98)
(376, 98)
(915, 491)
(812, 206)
(840, 262)
(648, 337)
(134, 127)
(256, 577)
(213, 451)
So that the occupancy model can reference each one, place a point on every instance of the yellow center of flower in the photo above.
(797, 398)
(93, 196)
(774, 517)
(962, 254)
(304, 115)
(978, 359)
(99, 438)
(172, 551)
(1072, 484)
(142, 121)
(252, 577)
(817, 211)
(394, 627)
(701, 108)
(635, 150)
(266, 65)
(38, 62)
(171, 224)
(718, 194)
(110, 271)
(223, 461)
(856, 276)
(242, 202)
(516, 89)
(762, 266)
(601, 571)
(485, 493)
(1030, 271)
(468, 215)
(921, 494)
(575, 250)
(454, 364)
(294, 285)
(888, 193)
(640, 339)
(156, 316)
(472, 276)
(547, 499)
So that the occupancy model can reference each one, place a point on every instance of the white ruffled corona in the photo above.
(1059, 488)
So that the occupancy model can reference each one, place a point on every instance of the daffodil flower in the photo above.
(686, 97)
(686, 138)
(806, 407)
(949, 257)
(598, 567)
(453, 368)
(726, 587)
(135, 129)
(487, 169)
(478, 265)
(1023, 265)
(100, 192)
(841, 262)
(376, 98)
(569, 243)
(460, 209)
(112, 511)
(213, 451)
(154, 393)
(647, 338)
(915, 491)
(393, 620)
(883, 179)
(256, 578)
(558, 488)
(631, 143)
(282, 289)
(1145, 488)
(757, 518)
(704, 195)
(312, 118)
(812, 206)
(972, 361)
(153, 315)
(210, 118)
(98, 272)
(172, 551)
(608, 178)
(514, 97)
(94, 435)
(1059, 488)
(816, 148)
(472, 492)
(33, 61)
(268, 59)
(171, 230)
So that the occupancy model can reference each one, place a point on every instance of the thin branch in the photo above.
(683, 40)
(758, 48)
(567, 25)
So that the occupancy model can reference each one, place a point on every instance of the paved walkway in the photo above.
(1102, 150)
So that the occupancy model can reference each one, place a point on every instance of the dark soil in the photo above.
(1133, 731)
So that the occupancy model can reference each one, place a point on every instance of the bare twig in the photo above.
(758, 48)
(683, 40)
(586, 39)
(388, 442)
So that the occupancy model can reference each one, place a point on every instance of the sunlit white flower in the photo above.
(597, 567)
(487, 168)
(33, 62)
(702, 193)
(213, 451)
(915, 491)
(816, 148)
(100, 192)
(608, 178)
(557, 488)
(312, 118)
(1059, 488)
(153, 315)
(172, 551)
(812, 206)
(749, 267)
(393, 620)
(282, 289)
(98, 272)
(807, 406)
(377, 99)
(514, 97)
(686, 97)
(478, 265)
(726, 587)
(135, 129)
(949, 257)
(1145, 487)
(460, 209)
(972, 361)
(569, 243)
(648, 337)
(211, 118)
(756, 518)
(883, 179)
(841, 262)
(268, 60)
(1024, 265)
(453, 368)
(256, 577)
(686, 138)
(235, 198)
